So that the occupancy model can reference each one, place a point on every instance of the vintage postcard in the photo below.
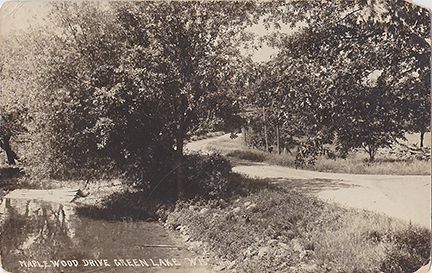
(215, 136)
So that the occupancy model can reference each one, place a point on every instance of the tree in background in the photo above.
(25, 107)
(355, 75)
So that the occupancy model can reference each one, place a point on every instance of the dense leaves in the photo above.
(123, 85)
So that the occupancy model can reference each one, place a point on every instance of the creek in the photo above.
(42, 236)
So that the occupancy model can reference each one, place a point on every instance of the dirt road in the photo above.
(404, 197)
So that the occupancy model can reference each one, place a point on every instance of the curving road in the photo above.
(403, 197)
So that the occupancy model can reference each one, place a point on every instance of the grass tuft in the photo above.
(357, 165)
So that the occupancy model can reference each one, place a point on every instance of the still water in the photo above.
(40, 236)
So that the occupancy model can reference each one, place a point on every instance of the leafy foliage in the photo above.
(114, 89)
(208, 176)
(355, 75)
(122, 85)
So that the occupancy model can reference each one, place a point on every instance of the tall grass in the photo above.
(381, 166)
(355, 163)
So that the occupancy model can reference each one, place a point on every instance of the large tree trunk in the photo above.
(11, 155)
(181, 128)
(180, 168)
(422, 133)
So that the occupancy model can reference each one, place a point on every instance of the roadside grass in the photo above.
(355, 163)
(206, 135)
(253, 156)
(227, 145)
(382, 166)
(273, 230)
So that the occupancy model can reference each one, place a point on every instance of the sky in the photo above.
(426, 3)
(265, 52)
(16, 10)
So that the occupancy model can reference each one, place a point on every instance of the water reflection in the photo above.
(39, 231)
(40, 236)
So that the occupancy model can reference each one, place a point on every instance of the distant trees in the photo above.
(357, 77)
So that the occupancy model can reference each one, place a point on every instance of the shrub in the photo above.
(9, 178)
(207, 176)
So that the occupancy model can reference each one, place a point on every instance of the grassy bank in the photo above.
(254, 226)
(278, 231)
(263, 228)
(381, 166)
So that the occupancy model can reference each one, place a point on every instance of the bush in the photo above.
(210, 177)
(207, 176)
(9, 178)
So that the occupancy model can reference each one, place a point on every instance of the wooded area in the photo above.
(115, 89)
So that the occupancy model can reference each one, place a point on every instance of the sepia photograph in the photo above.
(215, 136)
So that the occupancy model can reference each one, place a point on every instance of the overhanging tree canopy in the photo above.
(127, 82)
